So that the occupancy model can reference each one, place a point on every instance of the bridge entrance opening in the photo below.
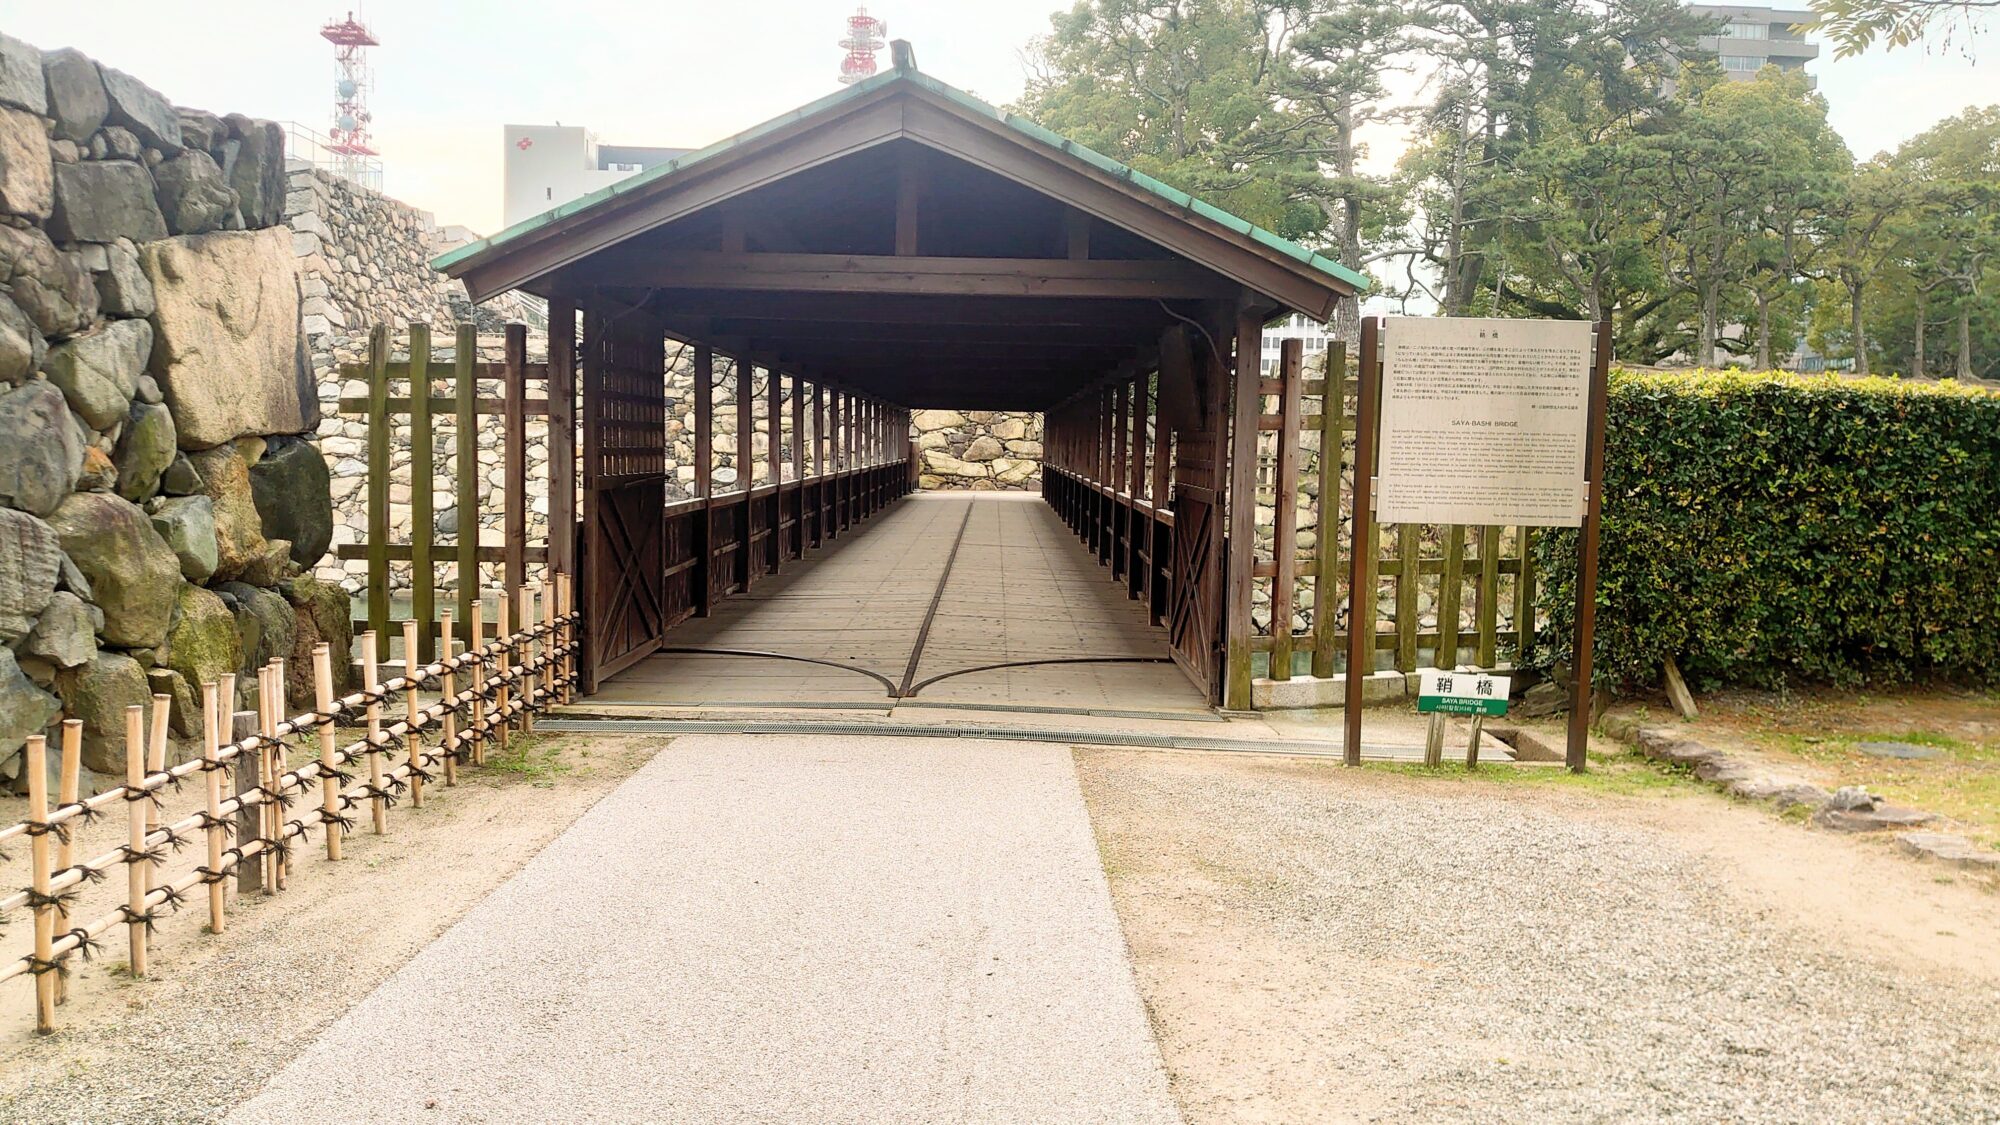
(894, 247)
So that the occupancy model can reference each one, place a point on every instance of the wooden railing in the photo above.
(478, 694)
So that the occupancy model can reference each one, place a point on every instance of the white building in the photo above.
(1754, 36)
(1294, 327)
(549, 165)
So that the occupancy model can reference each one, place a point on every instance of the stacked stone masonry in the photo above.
(161, 496)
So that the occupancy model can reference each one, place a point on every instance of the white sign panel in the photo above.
(1483, 421)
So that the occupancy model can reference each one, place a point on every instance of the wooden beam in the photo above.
(909, 191)
(562, 438)
(883, 274)
(1242, 487)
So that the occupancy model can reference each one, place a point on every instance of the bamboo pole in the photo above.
(411, 712)
(329, 750)
(225, 720)
(564, 593)
(45, 910)
(502, 657)
(267, 805)
(370, 681)
(448, 739)
(67, 790)
(549, 623)
(476, 626)
(211, 749)
(135, 840)
(156, 761)
(527, 622)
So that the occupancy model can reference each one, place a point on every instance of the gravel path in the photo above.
(759, 929)
(1317, 944)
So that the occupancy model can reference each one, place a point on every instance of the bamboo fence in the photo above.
(481, 692)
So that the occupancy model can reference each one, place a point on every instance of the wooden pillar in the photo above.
(562, 438)
(798, 505)
(774, 448)
(423, 484)
(516, 459)
(704, 477)
(1361, 535)
(1284, 521)
(589, 593)
(1245, 406)
(746, 467)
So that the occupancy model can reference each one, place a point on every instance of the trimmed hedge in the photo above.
(1766, 528)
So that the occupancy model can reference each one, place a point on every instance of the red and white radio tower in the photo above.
(351, 83)
(865, 36)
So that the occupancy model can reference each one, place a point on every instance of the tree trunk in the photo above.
(1859, 329)
(1917, 358)
(1964, 367)
(1763, 331)
(1705, 337)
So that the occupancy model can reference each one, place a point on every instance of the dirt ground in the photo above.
(219, 1015)
(1322, 944)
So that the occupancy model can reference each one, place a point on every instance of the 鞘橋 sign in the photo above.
(1483, 421)
(1461, 693)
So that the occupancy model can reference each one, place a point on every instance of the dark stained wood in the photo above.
(467, 421)
(515, 457)
(1247, 405)
(1076, 234)
(1361, 553)
(1285, 530)
(1580, 700)
(746, 468)
(774, 451)
(423, 475)
(909, 191)
(562, 437)
(888, 274)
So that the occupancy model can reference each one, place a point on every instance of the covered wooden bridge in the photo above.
(901, 246)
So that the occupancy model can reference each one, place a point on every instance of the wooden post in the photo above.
(411, 711)
(1285, 518)
(466, 385)
(1472, 743)
(135, 838)
(448, 738)
(329, 750)
(272, 822)
(37, 763)
(156, 761)
(798, 545)
(703, 578)
(477, 628)
(1434, 741)
(67, 792)
(562, 435)
(1450, 588)
(1489, 597)
(515, 449)
(774, 446)
(1242, 498)
(379, 472)
(566, 602)
(1326, 552)
(503, 660)
(370, 684)
(423, 477)
(211, 749)
(1360, 581)
(526, 622)
(1586, 579)
(746, 469)
(548, 645)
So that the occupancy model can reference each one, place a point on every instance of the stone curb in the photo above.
(1849, 810)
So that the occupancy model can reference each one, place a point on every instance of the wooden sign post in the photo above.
(1483, 422)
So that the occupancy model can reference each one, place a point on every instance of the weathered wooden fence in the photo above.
(404, 392)
(478, 693)
(1456, 594)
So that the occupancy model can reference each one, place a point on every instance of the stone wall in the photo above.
(160, 492)
(982, 450)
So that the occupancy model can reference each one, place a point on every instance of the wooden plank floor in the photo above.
(1019, 587)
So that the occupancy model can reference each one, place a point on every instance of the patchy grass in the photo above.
(1619, 774)
(537, 759)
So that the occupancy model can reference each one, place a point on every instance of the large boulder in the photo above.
(294, 497)
(227, 351)
(140, 108)
(22, 348)
(984, 448)
(76, 96)
(66, 636)
(99, 373)
(239, 534)
(30, 561)
(21, 82)
(937, 419)
(122, 288)
(133, 574)
(323, 614)
(201, 129)
(41, 456)
(98, 692)
(105, 200)
(24, 708)
(265, 624)
(204, 643)
(145, 450)
(187, 523)
(253, 161)
(27, 176)
(52, 287)
(192, 194)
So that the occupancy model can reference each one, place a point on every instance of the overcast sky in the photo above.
(450, 73)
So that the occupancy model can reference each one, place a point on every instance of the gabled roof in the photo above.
(487, 255)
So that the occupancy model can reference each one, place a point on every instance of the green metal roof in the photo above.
(915, 77)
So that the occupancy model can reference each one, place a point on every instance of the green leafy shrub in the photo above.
(1765, 528)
